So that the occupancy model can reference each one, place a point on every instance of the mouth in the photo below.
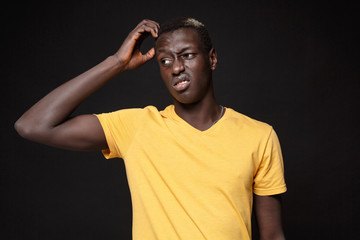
(181, 84)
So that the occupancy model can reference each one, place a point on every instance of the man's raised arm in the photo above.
(48, 120)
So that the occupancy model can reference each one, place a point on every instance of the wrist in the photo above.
(116, 64)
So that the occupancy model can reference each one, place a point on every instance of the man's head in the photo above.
(187, 22)
(186, 60)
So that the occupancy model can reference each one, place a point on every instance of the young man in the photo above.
(193, 167)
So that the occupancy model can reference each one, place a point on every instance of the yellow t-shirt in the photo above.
(191, 184)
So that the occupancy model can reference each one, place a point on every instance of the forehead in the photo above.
(177, 40)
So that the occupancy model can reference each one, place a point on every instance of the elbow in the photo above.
(21, 128)
(25, 129)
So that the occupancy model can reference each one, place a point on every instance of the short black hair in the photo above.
(187, 22)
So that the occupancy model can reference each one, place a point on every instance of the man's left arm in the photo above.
(268, 215)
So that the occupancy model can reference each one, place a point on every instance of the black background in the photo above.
(292, 64)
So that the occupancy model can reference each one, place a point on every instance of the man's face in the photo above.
(185, 66)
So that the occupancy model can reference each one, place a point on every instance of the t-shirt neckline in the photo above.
(181, 121)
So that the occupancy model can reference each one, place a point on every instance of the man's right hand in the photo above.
(129, 54)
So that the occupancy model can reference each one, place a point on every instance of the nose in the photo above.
(178, 67)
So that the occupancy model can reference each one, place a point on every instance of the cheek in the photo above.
(200, 70)
(202, 65)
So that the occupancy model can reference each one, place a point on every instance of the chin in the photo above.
(186, 99)
(188, 96)
(185, 102)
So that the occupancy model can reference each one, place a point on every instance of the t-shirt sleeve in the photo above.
(269, 178)
(120, 128)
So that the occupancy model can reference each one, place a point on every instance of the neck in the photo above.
(202, 114)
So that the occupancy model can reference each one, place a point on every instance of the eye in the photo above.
(165, 61)
(188, 55)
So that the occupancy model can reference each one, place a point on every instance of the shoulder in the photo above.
(247, 123)
(134, 115)
(131, 111)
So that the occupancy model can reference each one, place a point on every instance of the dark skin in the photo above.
(182, 58)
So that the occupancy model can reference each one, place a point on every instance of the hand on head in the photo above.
(129, 55)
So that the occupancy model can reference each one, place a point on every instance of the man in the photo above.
(193, 167)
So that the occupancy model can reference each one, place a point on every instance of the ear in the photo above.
(213, 59)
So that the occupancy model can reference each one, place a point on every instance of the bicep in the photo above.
(82, 133)
(268, 216)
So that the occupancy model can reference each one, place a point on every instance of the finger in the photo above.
(154, 33)
(149, 55)
(150, 24)
(144, 31)
(151, 29)
(157, 25)
(143, 58)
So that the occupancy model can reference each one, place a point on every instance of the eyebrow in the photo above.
(179, 52)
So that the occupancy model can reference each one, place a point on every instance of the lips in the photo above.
(181, 83)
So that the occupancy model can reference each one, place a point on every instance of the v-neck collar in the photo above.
(186, 125)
